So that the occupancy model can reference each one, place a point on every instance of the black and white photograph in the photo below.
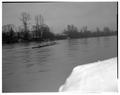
(59, 46)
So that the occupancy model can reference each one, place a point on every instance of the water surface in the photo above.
(45, 69)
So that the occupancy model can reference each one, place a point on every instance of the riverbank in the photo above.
(99, 76)
(55, 38)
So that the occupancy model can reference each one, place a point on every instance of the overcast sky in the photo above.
(59, 15)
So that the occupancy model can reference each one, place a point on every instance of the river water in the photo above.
(44, 69)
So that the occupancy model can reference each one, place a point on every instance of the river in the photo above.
(44, 69)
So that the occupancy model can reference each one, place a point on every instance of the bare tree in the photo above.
(106, 29)
(98, 30)
(39, 20)
(25, 17)
(7, 28)
(85, 28)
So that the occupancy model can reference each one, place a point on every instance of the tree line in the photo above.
(42, 32)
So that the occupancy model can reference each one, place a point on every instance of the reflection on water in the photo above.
(45, 69)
